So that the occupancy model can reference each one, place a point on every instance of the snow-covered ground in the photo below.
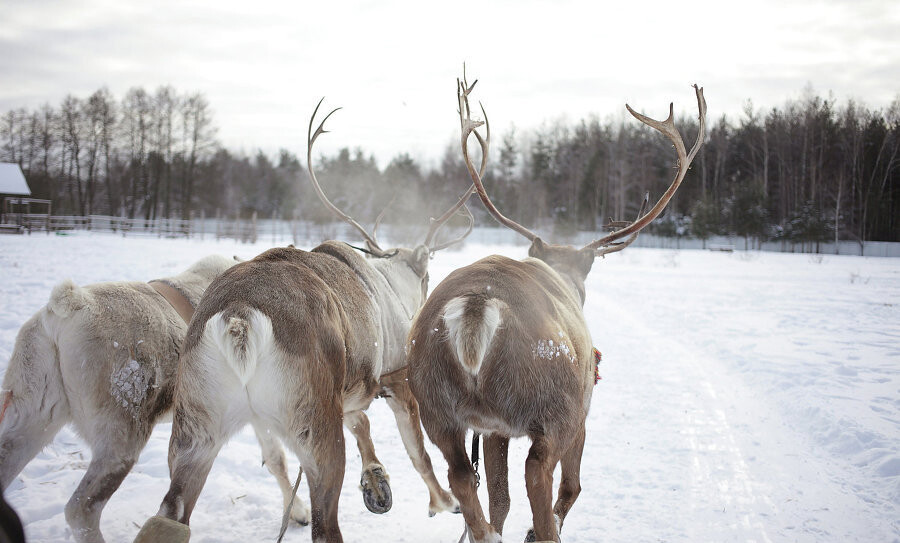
(745, 397)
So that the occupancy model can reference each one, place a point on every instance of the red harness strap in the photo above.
(597, 358)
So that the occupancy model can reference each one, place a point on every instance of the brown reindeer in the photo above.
(502, 347)
(301, 341)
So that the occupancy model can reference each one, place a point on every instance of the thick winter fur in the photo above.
(297, 341)
(501, 347)
(102, 357)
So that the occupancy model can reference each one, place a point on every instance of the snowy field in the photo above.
(745, 397)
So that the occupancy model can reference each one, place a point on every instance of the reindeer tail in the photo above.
(471, 323)
(242, 337)
(67, 298)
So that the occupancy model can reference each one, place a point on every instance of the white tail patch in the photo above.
(66, 298)
(471, 325)
(241, 341)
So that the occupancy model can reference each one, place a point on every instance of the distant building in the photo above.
(12, 180)
(18, 212)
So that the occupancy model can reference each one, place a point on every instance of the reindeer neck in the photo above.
(400, 296)
(403, 285)
(576, 283)
(571, 278)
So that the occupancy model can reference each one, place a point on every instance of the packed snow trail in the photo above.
(721, 461)
(745, 397)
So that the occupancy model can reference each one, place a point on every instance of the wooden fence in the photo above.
(306, 233)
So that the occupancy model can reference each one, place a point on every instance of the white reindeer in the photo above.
(103, 357)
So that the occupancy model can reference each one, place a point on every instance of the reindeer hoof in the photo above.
(300, 513)
(529, 538)
(443, 501)
(455, 510)
(376, 491)
(160, 529)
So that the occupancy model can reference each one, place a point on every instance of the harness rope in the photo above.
(287, 511)
(476, 438)
(368, 252)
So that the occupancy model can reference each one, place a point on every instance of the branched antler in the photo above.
(468, 126)
(464, 211)
(371, 239)
(668, 129)
(609, 243)
(463, 90)
(310, 140)
(619, 245)
(380, 217)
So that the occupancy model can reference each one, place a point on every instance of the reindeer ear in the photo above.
(537, 249)
(419, 260)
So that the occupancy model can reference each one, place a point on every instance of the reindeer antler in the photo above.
(371, 239)
(436, 224)
(668, 129)
(465, 212)
(619, 245)
(310, 140)
(468, 127)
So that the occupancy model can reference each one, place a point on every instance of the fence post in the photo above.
(274, 226)
(253, 228)
(202, 223)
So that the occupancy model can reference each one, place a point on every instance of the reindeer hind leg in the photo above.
(275, 462)
(33, 404)
(107, 470)
(462, 483)
(496, 469)
(570, 484)
(209, 407)
(375, 482)
(406, 412)
(319, 443)
(539, 466)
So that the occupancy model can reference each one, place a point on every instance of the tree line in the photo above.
(810, 170)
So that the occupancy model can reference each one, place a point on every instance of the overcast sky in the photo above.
(393, 64)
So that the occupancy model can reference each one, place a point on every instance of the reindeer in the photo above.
(103, 357)
(501, 346)
(301, 341)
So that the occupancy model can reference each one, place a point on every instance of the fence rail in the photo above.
(304, 233)
(248, 230)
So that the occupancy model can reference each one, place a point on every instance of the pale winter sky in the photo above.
(392, 64)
